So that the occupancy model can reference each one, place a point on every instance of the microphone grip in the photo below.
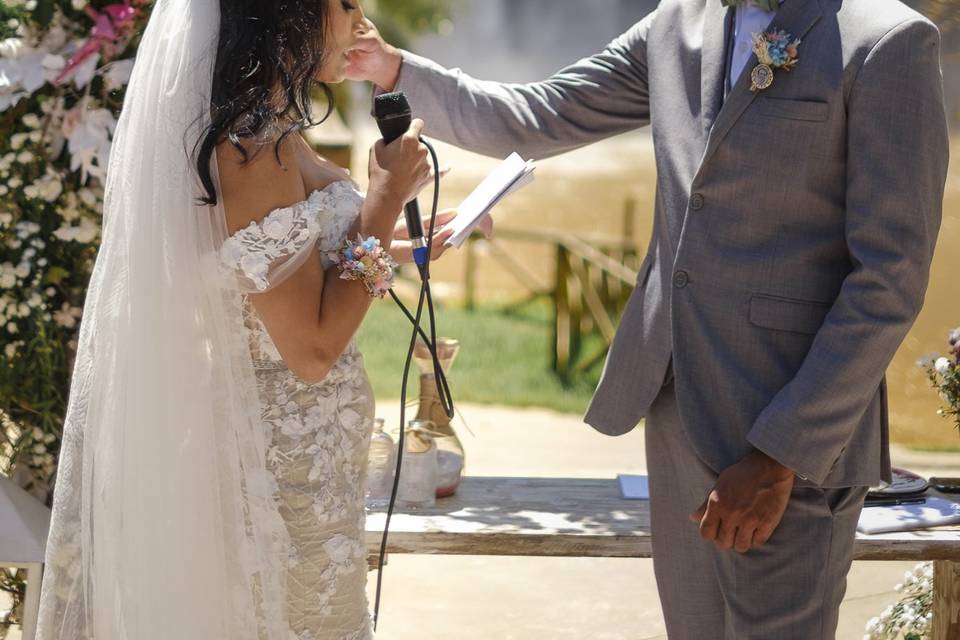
(414, 222)
(415, 229)
(393, 118)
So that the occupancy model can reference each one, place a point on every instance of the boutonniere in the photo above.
(775, 50)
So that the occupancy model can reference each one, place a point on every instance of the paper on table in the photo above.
(934, 512)
(633, 487)
(509, 176)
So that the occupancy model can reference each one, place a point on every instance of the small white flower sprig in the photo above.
(944, 374)
(911, 617)
(775, 49)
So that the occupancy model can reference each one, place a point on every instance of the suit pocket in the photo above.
(788, 314)
(810, 110)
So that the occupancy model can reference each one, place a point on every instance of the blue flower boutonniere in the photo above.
(775, 50)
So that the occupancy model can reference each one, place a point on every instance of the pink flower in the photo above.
(115, 22)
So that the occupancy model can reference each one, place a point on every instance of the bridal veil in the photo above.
(164, 523)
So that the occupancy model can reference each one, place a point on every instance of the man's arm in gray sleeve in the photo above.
(896, 169)
(592, 99)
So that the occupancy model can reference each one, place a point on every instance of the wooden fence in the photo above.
(593, 277)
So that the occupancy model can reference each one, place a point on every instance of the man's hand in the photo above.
(746, 504)
(372, 59)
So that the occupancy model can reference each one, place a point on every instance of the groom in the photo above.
(794, 227)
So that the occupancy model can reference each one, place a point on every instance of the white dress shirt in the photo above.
(749, 20)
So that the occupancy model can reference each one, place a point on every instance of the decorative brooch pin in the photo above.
(775, 50)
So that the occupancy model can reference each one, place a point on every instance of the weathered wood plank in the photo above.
(578, 517)
(946, 601)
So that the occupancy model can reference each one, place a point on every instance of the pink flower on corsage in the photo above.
(775, 49)
(368, 262)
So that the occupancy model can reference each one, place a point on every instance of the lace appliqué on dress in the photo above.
(254, 252)
(318, 434)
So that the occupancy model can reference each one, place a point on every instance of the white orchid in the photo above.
(116, 74)
(88, 133)
(84, 73)
(21, 71)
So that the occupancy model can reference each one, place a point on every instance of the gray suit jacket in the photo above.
(794, 227)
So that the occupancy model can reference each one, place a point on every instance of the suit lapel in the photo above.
(712, 62)
(796, 17)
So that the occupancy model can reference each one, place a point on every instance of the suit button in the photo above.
(696, 201)
(681, 279)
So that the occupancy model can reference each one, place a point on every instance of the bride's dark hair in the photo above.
(268, 55)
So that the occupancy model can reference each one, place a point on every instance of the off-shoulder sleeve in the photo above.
(265, 253)
(342, 201)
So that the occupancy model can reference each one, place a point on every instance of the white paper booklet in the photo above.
(509, 176)
(905, 517)
(633, 487)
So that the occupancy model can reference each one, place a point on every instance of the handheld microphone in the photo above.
(392, 112)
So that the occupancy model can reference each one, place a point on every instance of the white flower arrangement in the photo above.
(64, 67)
(911, 617)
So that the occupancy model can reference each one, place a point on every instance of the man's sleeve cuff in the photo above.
(787, 455)
(410, 64)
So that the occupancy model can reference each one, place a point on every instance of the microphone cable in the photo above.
(425, 299)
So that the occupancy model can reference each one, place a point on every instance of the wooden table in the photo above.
(588, 518)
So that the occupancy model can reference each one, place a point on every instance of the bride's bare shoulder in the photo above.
(256, 185)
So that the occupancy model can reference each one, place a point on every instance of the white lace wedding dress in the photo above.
(319, 434)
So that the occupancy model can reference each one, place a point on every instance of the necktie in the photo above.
(767, 5)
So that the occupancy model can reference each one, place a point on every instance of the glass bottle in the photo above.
(450, 453)
(418, 473)
(381, 467)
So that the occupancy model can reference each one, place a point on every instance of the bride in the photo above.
(211, 473)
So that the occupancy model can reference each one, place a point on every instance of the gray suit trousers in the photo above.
(788, 589)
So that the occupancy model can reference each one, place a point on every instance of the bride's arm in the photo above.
(312, 315)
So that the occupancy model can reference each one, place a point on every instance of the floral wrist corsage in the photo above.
(368, 262)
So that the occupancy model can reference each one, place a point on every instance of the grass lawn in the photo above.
(504, 356)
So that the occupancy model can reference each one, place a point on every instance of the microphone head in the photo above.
(390, 104)
(392, 112)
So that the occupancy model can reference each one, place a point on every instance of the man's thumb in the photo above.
(697, 516)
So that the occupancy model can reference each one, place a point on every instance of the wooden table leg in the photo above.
(31, 603)
(946, 600)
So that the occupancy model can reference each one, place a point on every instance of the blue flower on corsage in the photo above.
(775, 49)
(368, 262)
